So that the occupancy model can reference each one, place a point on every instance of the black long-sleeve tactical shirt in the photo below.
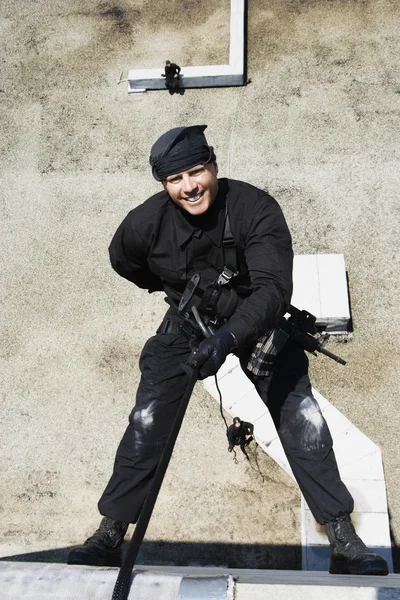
(236, 435)
(172, 69)
(159, 246)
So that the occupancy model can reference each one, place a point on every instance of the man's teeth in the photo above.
(194, 198)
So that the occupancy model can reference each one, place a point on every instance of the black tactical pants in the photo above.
(172, 83)
(243, 444)
(287, 393)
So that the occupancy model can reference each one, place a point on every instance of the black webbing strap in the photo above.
(122, 585)
(170, 326)
(229, 245)
(183, 328)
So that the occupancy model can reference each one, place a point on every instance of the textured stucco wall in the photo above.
(317, 126)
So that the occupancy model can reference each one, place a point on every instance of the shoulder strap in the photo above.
(229, 246)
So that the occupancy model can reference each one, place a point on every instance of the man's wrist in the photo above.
(228, 338)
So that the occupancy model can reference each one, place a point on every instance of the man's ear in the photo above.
(216, 167)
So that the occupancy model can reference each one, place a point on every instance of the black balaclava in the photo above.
(178, 150)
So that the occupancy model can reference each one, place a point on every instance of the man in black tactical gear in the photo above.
(240, 433)
(171, 76)
(160, 246)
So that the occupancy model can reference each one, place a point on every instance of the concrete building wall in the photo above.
(317, 126)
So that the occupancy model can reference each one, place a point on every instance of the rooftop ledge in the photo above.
(233, 74)
(35, 581)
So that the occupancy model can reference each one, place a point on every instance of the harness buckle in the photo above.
(226, 276)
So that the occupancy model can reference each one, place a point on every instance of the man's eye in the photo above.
(174, 180)
(197, 172)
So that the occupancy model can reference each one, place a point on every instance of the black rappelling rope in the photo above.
(256, 461)
(122, 585)
(235, 460)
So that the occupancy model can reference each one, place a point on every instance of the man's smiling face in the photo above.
(195, 189)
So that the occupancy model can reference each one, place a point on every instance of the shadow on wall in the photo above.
(235, 556)
(184, 554)
(395, 547)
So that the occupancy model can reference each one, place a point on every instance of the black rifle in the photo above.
(301, 327)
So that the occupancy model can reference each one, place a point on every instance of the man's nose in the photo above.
(189, 185)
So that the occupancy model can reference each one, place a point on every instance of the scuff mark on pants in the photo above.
(306, 429)
(142, 420)
(314, 429)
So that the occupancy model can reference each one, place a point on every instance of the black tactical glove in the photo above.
(212, 352)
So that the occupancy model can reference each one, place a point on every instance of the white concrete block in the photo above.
(228, 367)
(314, 532)
(333, 290)
(320, 287)
(336, 420)
(237, 41)
(373, 528)
(233, 387)
(369, 467)
(190, 77)
(276, 451)
(322, 401)
(352, 445)
(231, 363)
(369, 495)
(250, 407)
(264, 428)
(306, 294)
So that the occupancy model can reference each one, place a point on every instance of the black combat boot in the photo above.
(103, 548)
(349, 554)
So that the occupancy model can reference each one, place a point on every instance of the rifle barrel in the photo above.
(333, 356)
